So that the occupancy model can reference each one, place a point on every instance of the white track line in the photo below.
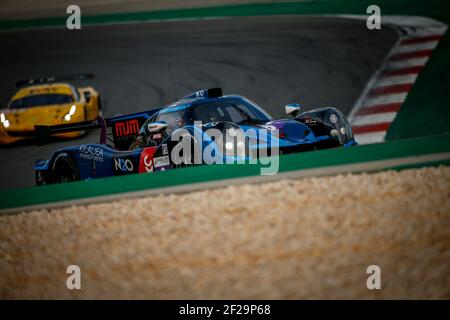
(374, 118)
(395, 80)
(415, 62)
(407, 48)
(386, 99)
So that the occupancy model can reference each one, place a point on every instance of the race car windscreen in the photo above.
(231, 111)
(41, 100)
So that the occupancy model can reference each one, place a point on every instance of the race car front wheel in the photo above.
(64, 169)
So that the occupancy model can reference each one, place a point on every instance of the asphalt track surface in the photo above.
(315, 61)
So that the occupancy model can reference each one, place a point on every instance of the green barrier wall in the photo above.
(317, 159)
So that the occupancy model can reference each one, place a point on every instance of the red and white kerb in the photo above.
(391, 86)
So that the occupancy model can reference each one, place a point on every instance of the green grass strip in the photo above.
(15, 198)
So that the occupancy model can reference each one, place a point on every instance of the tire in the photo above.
(64, 169)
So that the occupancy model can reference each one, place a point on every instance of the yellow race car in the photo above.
(47, 101)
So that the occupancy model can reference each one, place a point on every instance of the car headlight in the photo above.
(71, 112)
(4, 121)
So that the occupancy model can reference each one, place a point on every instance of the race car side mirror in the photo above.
(292, 108)
(154, 127)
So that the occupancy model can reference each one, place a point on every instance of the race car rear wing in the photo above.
(52, 79)
(43, 132)
(124, 128)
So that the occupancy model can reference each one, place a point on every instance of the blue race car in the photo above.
(208, 121)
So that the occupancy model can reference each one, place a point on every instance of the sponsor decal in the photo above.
(91, 153)
(123, 165)
(200, 94)
(126, 128)
(124, 132)
(310, 121)
(161, 162)
(165, 149)
(146, 162)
